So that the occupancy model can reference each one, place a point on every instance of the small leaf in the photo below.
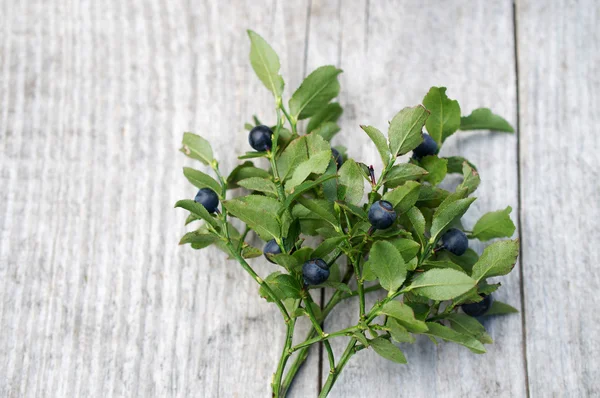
(327, 246)
(470, 326)
(414, 220)
(198, 210)
(243, 171)
(496, 224)
(283, 286)
(321, 208)
(407, 248)
(455, 164)
(305, 187)
(380, 143)
(398, 332)
(404, 197)
(327, 130)
(387, 264)
(361, 338)
(335, 285)
(444, 217)
(388, 350)
(351, 179)
(201, 239)
(466, 261)
(431, 196)
(265, 63)
(328, 114)
(287, 261)
(445, 114)
(437, 330)
(436, 169)
(441, 284)
(497, 259)
(316, 164)
(431, 264)
(251, 252)
(405, 315)
(353, 209)
(258, 212)
(471, 179)
(500, 308)
(259, 184)
(320, 87)
(405, 131)
(484, 119)
(202, 180)
(197, 148)
(403, 172)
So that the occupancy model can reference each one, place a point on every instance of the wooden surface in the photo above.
(97, 299)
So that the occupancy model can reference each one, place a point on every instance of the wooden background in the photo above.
(97, 299)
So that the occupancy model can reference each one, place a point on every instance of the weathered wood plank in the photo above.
(97, 299)
(558, 86)
(391, 54)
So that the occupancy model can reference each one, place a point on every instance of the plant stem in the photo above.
(308, 306)
(342, 332)
(288, 117)
(285, 354)
(333, 375)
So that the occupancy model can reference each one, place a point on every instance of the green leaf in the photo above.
(305, 187)
(496, 224)
(414, 220)
(353, 209)
(335, 285)
(436, 169)
(201, 239)
(455, 164)
(327, 130)
(431, 196)
(387, 264)
(497, 259)
(351, 184)
(299, 151)
(405, 315)
(265, 63)
(320, 87)
(258, 212)
(471, 179)
(403, 172)
(380, 142)
(327, 246)
(470, 326)
(405, 131)
(259, 184)
(444, 216)
(484, 119)
(437, 330)
(283, 286)
(431, 264)
(404, 197)
(466, 261)
(202, 180)
(314, 164)
(361, 338)
(328, 114)
(441, 284)
(197, 148)
(251, 252)
(198, 210)
(445, 114)
(244, 171)
(321, 208)
(500, 308)
(407, 248)
(253, 155)
(388, 350)
(398, 332)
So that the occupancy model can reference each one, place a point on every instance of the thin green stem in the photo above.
(333, 375)
(308, 306)
(285, 354)
(326, 336)
(292, 122)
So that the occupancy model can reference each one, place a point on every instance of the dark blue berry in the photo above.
(455, 241)
(382, 214)
(426, 148)
(478, 309)
(207, 198)
(271, 248)
(260, 138)
(338, 157)
(315, 272)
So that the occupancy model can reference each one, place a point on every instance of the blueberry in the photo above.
(271, 248)
(478, 309)
(260, 138)
(315, 272)
(207, 198)
(455, 241)
(382, 214)
(426, 148)
(338, 157)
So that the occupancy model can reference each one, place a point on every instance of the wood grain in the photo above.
(559, 82)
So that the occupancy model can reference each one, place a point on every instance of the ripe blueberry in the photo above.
(271, 248)
(478, 309)
(338, 157)
(315, 272)
(455, 241)
(260, 138)
(426, 148)
(382, 214)
(207, 198)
